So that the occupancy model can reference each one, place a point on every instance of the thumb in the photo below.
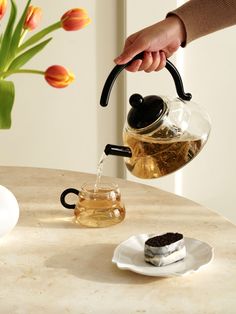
(129, 53)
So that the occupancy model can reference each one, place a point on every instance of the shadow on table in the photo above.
(51, 218)
(93, 262)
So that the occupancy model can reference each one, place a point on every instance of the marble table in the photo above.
(48, 264)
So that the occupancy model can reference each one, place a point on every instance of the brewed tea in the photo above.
(100, 208)
(154, 158)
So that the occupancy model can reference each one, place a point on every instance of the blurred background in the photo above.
(67, 129)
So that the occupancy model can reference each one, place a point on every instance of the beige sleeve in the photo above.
(202, 17)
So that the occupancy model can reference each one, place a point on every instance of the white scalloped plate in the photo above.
(130, 255)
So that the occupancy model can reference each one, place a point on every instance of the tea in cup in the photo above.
(97, 206)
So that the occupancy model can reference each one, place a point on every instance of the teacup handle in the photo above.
(63, 197)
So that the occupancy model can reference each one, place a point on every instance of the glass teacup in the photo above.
(97, 206)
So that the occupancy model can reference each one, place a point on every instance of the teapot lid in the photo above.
(145, 110)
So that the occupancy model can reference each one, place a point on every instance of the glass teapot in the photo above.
(161, 135)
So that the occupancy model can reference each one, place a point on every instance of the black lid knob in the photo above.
(145, 110)
(136, 100)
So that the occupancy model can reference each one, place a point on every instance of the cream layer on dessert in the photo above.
(161, 260)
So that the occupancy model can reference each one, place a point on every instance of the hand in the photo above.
(158, 42)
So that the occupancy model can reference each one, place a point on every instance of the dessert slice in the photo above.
(164, 249)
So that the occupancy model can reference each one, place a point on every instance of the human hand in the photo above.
(158, 41)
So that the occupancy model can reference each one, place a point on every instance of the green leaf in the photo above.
(26, 56)
(18, 30)
(38, 36)
(6, 40)
(7, 95)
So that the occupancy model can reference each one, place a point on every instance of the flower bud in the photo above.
(75, 19)
(58, 76)
(3, 7)
(33, 17)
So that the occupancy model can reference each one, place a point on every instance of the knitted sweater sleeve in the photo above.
(202, 17)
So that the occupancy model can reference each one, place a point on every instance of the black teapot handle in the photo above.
(118, 68)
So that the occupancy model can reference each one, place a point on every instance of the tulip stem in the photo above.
(38, 36)
(22, 36)
(8, 73)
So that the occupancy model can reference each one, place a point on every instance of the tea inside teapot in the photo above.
(154, 157)
(169, 143)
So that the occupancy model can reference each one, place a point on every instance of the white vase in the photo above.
(9, 211)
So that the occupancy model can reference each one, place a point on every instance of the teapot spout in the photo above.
(123, 151)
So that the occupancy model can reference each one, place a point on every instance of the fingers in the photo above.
(162, 61)
(155, 62)
(134, 44)
(134, 66)
(140, 65)
(152, 61)
(147, 61)
(126, 57)
(129, 53)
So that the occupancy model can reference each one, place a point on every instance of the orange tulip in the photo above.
(33, 17)
(3, 7)
(58, 76)
(75, 19)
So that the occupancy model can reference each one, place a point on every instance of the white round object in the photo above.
(9, 211)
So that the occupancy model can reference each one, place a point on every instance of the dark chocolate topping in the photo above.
(164, 239)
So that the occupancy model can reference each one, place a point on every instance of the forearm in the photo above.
(202, 17)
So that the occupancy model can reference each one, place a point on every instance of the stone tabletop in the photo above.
(48, 264)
